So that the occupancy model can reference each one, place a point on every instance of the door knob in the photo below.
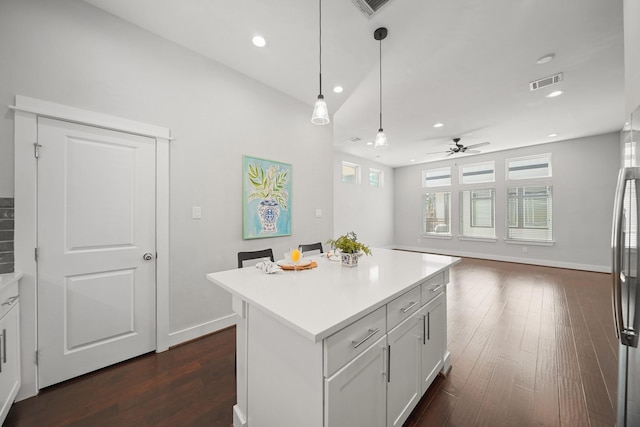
(148, 256)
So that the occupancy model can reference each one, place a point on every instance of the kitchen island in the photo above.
(338, 346)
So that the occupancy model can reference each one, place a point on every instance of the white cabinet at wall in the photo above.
(356, 394)
(433, 340)
(9, 347)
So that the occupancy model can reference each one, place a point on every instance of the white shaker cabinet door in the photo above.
(355, 396)
(9, 359)
(404, 382)
(434, 328)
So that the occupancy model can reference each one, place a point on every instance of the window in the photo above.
(375, 178)
(350, 173)
(538, 166)
(436, 177)
(529, 213)
(436, 215)
(477, 173)
(477, 213)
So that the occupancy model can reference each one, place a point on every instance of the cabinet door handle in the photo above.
(371, 332)
(424, 330)
(10, 300)
(4, 346)
(410, 306)
(388, 363)
(428, 326)
(437, 288)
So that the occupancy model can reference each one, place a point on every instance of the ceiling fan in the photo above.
(459, 148)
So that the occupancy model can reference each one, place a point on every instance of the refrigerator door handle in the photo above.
(627, 336)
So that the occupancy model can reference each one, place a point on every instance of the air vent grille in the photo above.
(369, 7)
(353, 139)
(547, 81)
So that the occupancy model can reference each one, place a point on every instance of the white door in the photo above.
(96, 223)
(404, 386)
(434, 345)
(355, 396)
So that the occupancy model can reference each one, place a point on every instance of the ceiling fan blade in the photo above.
(472, 151)
(450, 153)
(438, 152)
(477, 145)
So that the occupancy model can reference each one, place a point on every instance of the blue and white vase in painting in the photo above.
(268, 211)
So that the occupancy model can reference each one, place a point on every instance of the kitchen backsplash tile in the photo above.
(7, 264)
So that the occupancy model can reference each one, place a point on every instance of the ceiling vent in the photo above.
(369, 7)
(547, 81)
(353, 139)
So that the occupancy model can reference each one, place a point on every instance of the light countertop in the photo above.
(318, 302)
(8, 278)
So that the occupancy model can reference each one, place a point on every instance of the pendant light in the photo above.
(320, 114)
(381, 138)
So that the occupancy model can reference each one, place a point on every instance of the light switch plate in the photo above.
(196, 212)
(318, 213)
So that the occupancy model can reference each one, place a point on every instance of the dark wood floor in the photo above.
(530, 346)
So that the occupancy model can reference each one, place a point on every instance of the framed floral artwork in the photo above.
(266, 198)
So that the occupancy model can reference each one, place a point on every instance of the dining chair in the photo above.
(247, 256)
(311, 247)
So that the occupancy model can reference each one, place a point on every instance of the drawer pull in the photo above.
(437, 288)
(371, 333)
(410, 306)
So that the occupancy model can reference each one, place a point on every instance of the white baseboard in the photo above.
(200, 330)
(530, 261)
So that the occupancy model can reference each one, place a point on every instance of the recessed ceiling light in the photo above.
(413, 160)
(338, 89)
(552, 135)
(258, 41)
(369, 142)
(438, 125)
(546, 58)
(555, 93)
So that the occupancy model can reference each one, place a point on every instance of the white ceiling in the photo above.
(465, 63)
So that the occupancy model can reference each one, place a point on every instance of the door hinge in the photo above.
(36, 150)
(35, 254)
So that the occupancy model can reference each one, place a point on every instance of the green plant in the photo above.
(349, 244)
(269, 185)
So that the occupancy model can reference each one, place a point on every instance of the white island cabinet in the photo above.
(9, 341)
(336, 346)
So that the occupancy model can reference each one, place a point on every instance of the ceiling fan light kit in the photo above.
(458, 147)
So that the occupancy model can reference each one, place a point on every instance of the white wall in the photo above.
(584, 179)
(360, 208)
(71, 53)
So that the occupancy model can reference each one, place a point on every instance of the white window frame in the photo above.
(544, 156)
(467, 211)
(356, 169)
(441, 174)
(380, 174)
(522, 199)
(475, 169)
(448, 214)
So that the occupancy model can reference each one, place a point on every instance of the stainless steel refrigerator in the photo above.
(626, 295)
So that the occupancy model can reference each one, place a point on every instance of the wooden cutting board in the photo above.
(306, 267)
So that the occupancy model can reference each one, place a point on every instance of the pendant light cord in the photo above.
(380, 84)
(320, 41)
